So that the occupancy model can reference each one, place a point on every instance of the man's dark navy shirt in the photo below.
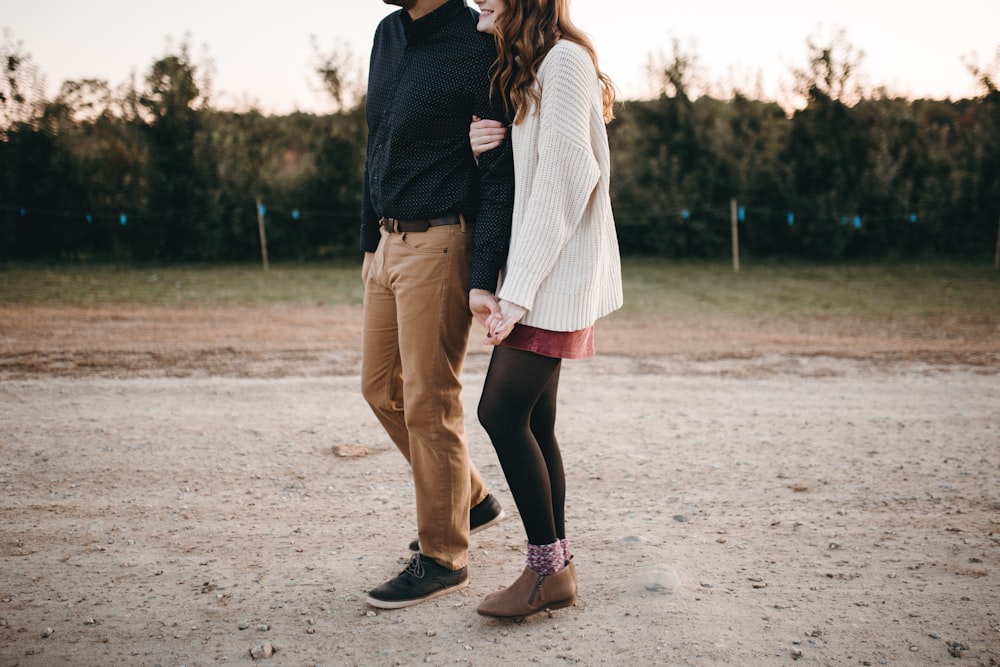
(427, 78)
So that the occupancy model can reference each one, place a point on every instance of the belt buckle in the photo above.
(390, 225)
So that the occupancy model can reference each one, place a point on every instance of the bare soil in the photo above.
(189, 486)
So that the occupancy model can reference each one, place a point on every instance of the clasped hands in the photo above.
(497, 316)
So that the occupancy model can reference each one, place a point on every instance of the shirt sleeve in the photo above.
(496, 193)
(369, 219)
(566, 174)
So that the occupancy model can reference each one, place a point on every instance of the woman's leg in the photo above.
(543, 427)
(518, 409)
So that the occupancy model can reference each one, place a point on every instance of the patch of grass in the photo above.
(884, 291)
(182, 284)
(782, 290)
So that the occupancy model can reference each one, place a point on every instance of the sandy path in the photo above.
(724, 509)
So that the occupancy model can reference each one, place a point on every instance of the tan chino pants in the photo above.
(414, 340)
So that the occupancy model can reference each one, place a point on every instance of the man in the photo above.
(434, 225)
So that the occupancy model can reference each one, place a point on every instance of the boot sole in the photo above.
(562, 604)
(399, 604)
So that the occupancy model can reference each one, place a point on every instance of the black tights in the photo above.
(518, 411)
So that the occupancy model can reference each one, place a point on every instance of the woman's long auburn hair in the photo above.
(525, 32)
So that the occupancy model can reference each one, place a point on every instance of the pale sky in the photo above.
(263, 55)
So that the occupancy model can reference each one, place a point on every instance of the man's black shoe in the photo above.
(487, 513)
(422, 580)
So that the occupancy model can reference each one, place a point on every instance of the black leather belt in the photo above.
(394, 225)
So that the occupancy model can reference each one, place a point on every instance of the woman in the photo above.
(563, 271)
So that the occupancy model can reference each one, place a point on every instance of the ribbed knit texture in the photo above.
(567, 554)
(546, 559)
(563, 264)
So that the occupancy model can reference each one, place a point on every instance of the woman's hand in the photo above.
(501, 322)
(485, 135)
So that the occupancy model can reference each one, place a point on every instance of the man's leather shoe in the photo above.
(487, 513)
(422, 580)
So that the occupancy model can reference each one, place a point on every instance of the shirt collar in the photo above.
(427, 25)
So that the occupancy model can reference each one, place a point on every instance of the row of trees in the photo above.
(151, 170)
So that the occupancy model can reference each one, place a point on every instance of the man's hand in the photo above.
(366, 265)
(485, 135)
(482, 304)
(501, 322)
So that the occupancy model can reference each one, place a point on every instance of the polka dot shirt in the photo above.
(427, 78)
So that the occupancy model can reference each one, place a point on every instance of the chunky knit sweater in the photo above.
(563, 264)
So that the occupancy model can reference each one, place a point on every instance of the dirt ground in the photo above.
(189, 486)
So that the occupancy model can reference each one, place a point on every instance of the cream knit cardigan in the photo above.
(563, 265)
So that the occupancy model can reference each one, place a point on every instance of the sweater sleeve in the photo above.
(566, 174)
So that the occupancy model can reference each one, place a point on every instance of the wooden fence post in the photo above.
(263, 235)
(734, 224)
(996, 255)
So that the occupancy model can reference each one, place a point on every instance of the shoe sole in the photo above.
(489, 524)
(399, 604)
(472, 531)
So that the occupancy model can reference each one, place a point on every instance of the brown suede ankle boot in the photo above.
(532, 593)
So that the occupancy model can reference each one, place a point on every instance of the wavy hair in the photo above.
(525, 32)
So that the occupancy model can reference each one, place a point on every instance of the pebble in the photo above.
(243, 625)
(265, 650)
(660, 579)
(955, 649)
(350, 451)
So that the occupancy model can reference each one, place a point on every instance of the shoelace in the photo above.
(415, 567)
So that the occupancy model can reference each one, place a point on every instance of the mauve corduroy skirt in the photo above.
(560, 344)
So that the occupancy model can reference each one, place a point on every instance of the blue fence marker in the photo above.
(90, 218)
(23, 212)
(295, 214)
(263, 210)
(741, 214)
(791, 218)
(685, 213)
(913, 217)
(123, 219)
(857, 222)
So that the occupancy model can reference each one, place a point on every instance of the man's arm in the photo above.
(485, 135)
(369, 219)
(496, 195)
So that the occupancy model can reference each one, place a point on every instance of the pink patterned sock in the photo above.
(567, 554)
(546, 559)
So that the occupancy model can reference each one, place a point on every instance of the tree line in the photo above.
(151, 171)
